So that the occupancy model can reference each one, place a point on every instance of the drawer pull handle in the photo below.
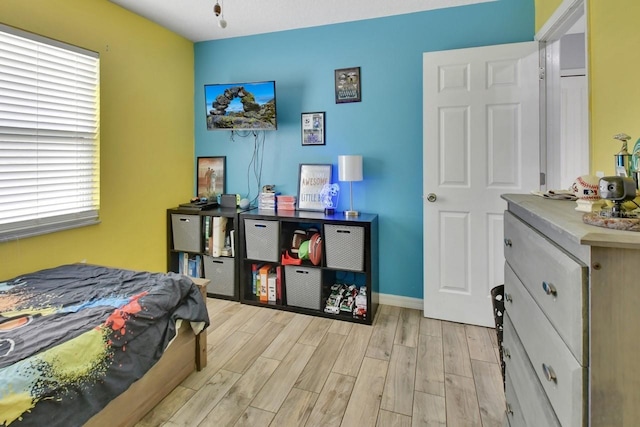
(549, 373)
(507, 297)
(549, 289)
(507, 243)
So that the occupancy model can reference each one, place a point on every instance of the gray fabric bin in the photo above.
(220, 271)
(187, 232)
(344, 247)
(303, 286)
(261, 239)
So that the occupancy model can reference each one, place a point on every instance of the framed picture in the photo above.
(348, 85)
(313, 129)
(211, 177)
(311, 179)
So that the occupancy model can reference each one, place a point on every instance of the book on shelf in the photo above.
(195, 266)
(232, 236)
(183, 262)
(267, 200)
(255, 280)
(279, 283)
(264, 282)
(271, 286)
(207, 234)
(189, 265)
(218, 233)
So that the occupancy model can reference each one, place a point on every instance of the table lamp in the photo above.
(350, 169)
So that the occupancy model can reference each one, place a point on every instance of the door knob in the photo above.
(432, 197)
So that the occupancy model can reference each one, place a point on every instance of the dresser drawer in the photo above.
(514, 411)
(561, 375)
(524, 392)
(557, 281)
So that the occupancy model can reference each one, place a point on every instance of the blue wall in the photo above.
(385, 128)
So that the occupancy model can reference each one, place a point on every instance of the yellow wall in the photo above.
(544, 10)
(614, 60)
(614, 69)
(147, 134)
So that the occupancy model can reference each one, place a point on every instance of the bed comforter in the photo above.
(74, 337)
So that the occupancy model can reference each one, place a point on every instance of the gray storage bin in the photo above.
(187, 231)
(344, 247)
(221, 272)
(261, 239)
(303, 286)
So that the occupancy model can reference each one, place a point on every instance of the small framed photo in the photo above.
(348, 85)
(311, 180)
(211, 177)
(313, 129)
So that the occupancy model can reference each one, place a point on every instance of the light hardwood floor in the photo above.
(269, 367)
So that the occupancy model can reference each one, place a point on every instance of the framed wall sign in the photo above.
(348, 85)
(313, 129)
(210, 176)
(311, 180)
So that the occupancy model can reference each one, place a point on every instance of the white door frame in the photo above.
(565, 16)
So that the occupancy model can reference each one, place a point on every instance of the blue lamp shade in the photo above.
(350, 169)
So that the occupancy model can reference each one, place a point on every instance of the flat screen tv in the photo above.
(241, 106)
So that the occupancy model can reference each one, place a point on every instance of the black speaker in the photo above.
(228, 201)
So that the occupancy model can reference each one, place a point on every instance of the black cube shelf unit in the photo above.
(186, 230)
(348, 264)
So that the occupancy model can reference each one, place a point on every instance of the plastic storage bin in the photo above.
(344, 247)
(187, 230)
(221, 272)
(303, 286)
(261, 238)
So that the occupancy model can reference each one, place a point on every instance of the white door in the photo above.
(480, 140)
(574, 136)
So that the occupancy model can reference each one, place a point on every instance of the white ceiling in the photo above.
(195, 20)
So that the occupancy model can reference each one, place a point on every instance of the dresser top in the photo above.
(559, 221)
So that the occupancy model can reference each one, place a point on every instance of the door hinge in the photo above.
(543, 178)
(541, 74)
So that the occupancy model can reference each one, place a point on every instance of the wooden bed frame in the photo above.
(186, 352)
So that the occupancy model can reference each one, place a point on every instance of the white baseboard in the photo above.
(400, 301)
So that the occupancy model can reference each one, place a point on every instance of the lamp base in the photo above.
(349, 214)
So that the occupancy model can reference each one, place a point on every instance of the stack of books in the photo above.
(267, 201)
(286, 203)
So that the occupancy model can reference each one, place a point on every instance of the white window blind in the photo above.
(49, 135)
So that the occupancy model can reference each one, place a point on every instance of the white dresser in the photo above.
(572, 324)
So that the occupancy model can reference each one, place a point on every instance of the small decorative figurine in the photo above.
(623, 158)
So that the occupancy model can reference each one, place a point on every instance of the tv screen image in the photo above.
(241, 106)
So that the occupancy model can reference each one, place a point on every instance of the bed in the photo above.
(85, 344)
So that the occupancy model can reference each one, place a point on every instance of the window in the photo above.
(49, 135)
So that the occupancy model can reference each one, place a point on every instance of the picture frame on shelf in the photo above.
(211, 177)
(347, 85)
(313, 128)
(311, 180)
